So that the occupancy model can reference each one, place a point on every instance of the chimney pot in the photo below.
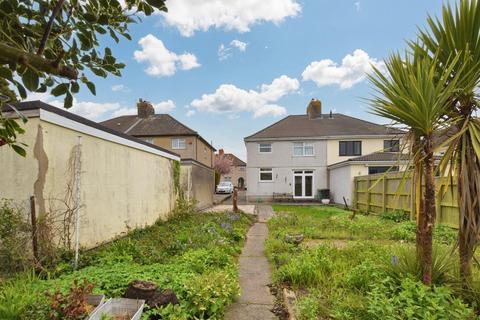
(314, 109)
(144, 109)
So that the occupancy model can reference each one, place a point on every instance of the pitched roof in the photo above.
(236, 162)
(296, 126)
(37, 104)
(152, 126)
(384, 157)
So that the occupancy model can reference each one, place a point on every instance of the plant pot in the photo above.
(325, 201)
(122, 308)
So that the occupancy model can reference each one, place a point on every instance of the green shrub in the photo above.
(362, 276)
(406, 264)
(397, 216)
(413, 300)
(309, 268)
(404, 231)
(307, 308)
(14, 239)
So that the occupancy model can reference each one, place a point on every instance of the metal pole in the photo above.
(78, 165)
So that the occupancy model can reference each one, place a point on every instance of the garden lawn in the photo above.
(193, 254)
(363, 268)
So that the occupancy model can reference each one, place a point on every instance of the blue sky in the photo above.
(229, 71)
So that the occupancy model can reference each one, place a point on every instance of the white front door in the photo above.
(303, 184)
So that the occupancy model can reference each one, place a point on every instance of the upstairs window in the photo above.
(302, 149)
(178, 144)
(350, 148)
(382, 169)
(266, 175)
(391, 145)
(265, 147)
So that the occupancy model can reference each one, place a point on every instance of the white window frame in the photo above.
(304, 145)
(265, 170)
(264, 144)
(177, 145)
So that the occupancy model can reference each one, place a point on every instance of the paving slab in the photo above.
(255, 301)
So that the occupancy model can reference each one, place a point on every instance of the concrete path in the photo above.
(255, 301)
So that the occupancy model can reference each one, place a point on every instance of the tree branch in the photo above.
(13, 55)
(48, 28)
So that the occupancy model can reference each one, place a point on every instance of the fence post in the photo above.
(355, 194)
(384, 194)
(235, 198)
(33, 217)
(369, 196)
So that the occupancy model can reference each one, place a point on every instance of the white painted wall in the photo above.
(341, 184)
(283, 163)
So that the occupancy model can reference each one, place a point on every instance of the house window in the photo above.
(302, 149)
(391, 145)
(382, 169)
(350, 148)
(178, 143)
(265, 147)
(266, 175)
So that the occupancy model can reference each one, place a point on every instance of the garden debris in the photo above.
(149, 291)
(294, 239)
(289, 299)
(139, 289)
(163, 298)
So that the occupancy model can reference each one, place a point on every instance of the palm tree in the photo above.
(457, 36)
(413, 94)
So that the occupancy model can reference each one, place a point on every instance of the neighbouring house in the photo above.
(341, 174)
(116, 181)
(297, 155)
(238, 170)
(164, 131)
(197, 155)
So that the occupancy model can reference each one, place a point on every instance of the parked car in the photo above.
(225, 187)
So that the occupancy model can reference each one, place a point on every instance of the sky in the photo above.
(230, 68)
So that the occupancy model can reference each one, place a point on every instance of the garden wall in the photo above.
(198, 182)
(381, 193)
(122, 182)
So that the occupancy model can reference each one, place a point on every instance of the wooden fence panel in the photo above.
(379, 193)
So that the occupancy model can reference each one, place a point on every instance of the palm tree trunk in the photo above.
(427, 217)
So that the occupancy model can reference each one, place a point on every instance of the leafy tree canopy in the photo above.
(54, 45)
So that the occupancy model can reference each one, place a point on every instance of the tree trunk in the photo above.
(427, 219)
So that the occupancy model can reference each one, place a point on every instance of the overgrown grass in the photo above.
(192, 254)
(362, 268)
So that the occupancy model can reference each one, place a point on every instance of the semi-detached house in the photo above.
(294, 155)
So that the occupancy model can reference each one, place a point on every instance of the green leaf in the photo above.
(59, 90)
(74, 87)
(6, 73)
(156, 3)
(19, 150)
(91, 87)
(30, 79)
(21, 90)
(68, 102)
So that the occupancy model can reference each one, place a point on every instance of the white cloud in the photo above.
(99, 111)
(224, 52)
(91, 110)
(352, 70)
(189, 16)
(190, 113)
(164, 106)
(232, 100)
(357, 5)
(162, 62)
(242, 46)
(120, 88)
(161, 107)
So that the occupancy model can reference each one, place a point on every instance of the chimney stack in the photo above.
(314, 109)
(221, 152)
(144, 109)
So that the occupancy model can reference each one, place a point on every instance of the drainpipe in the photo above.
(78, 170)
